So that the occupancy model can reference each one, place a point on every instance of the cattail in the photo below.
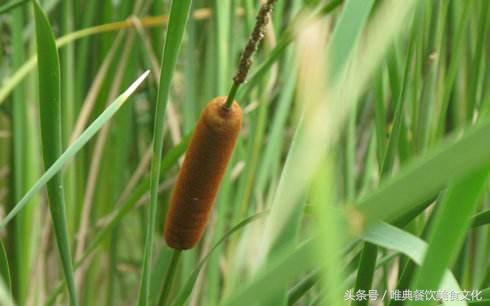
(199, 179)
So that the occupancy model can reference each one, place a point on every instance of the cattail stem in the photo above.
(231, 95)
(169, 278)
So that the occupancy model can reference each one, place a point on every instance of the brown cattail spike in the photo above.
(199, 179)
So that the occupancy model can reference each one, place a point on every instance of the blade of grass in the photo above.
(452, 160)
(70, 152)
(190, 108)
(423, 124)
(452, 72)
(170, 274)
(161, 266)
(477, 61)
(273, 149)
(350, 24)
(179, 14)
(481, 219)
(221, 28)
(21, 241)
(390, 237)
(389, 156)
(50, 117)
(299, 259)
(302, 287)
(408, 268)
(110, 222)
(365, 272)
(450, 226)
(185, 292)
(82, 52)
(284, 267)
(332, 235)
(380, 120)
(68, 109)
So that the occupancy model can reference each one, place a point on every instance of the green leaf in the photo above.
(121, 211)
(74, 148)
(265, 284)
(50, 117)
(449, 229)
(351, 22)
(393, 238)
(187, 290)
(179, 13)
(425, 176)
(300, 259)
(481, 219)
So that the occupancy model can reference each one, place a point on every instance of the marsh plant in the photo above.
(246, 152)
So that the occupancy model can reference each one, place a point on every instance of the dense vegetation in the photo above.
(362, 161)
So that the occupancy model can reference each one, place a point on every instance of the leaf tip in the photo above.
(136, 84)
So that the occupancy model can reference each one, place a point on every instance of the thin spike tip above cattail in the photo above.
(253, 42)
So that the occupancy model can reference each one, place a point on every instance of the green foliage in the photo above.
(50, 118)
(178, 18)
(362, 163)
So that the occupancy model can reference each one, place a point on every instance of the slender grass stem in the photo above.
(20, 241)
(231, 95)
(179, 14)
(169, 278)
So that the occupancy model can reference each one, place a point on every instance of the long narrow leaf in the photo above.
(50, 117)
(186, 291)
(427, 175)
(452, 221)
(73, 149)
(393, 238)
(179, 14)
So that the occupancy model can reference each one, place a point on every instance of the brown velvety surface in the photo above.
(199, 179)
